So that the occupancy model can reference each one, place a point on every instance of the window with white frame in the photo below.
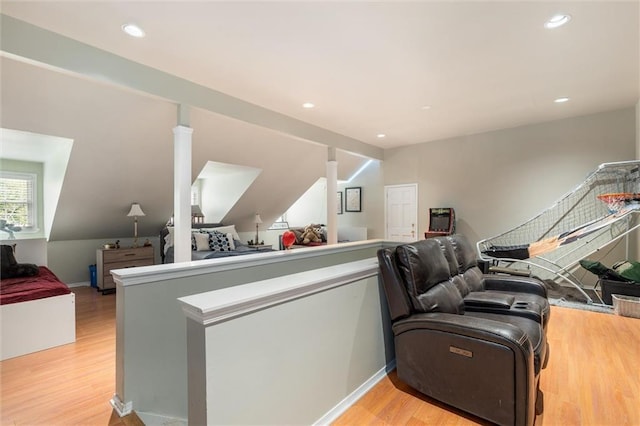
(18, 195)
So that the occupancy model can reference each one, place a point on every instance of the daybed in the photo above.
(38, 312)
(208, 241)
(345, 234)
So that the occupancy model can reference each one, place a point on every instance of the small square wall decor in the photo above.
(353, 199)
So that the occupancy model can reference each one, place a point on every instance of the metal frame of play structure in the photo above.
(580, 209)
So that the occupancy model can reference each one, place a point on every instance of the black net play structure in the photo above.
(602, 209)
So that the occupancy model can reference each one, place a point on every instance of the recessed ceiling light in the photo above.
(561, 100)
(133, 30)
(557, 21)
(381, 135)
(425, 107)
(308, 105)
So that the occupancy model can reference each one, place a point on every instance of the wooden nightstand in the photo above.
(108, 259)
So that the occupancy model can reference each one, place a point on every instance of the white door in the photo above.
(401, 212)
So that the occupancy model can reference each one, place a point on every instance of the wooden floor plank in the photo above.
(70, 384)
(592, 377)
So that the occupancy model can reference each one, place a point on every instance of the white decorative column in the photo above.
(182, 193)
(332, 198)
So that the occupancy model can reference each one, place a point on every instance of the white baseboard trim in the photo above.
(331, 415)
(150, 419)
(121, 408)
(80, 284)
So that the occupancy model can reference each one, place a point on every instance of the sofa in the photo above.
(482, 362)
(498, 293)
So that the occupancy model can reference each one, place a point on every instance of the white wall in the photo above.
(372, 214)
(311, 207)
(29, 250)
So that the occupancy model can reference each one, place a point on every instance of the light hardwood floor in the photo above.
(593, 377)
(70, 384)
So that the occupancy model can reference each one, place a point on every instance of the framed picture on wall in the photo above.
(339, 202)
(353, 199)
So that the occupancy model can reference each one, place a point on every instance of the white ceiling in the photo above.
(370, 66)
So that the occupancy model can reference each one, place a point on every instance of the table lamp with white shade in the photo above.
(135, 211)
(258, 221)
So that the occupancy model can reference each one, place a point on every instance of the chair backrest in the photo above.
(394, 289)
(454, 268)
(424, 271)
(467, 262)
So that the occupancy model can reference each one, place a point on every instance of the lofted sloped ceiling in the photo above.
(288, 166)
(414, 71)
(123, 153)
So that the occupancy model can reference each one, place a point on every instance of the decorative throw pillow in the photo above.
(168, 239)
(223, 229)
(9, 266)
(219, 241)
(232, 244)
(202, 242)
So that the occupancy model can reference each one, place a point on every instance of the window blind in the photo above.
(17, 198)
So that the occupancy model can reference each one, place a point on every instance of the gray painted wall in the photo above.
(494, 180)
(499, 179)
(71, 259)
(123, 153)
(344, 336)
(151, 353)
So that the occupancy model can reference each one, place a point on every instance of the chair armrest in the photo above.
(470, 363)
(480, 329)
(489, 300)
(515, 284)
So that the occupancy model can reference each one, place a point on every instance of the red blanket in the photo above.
(45, 284)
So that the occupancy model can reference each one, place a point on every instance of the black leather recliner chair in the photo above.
(483, 363)
(506, 294)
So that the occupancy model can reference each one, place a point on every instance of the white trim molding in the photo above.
(221, 305)
(333, 414)
(122, 408)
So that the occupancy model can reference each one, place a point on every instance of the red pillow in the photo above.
(288, 238)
